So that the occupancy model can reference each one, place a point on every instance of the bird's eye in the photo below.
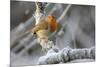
(34, 33)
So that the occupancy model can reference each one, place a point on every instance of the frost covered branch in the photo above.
(55, 56)
(39, 11)
(42, 34)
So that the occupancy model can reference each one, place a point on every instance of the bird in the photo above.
(48, 23)
(46, 26)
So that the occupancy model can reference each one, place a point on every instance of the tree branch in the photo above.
(64, 13)
(55, 56)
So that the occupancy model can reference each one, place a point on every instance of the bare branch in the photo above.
(64, 13)
(52, 10)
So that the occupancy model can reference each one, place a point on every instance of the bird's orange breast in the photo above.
(52, 23)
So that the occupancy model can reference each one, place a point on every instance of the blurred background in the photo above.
(77, 29)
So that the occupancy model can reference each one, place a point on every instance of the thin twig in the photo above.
(64, 13)
(52, 10)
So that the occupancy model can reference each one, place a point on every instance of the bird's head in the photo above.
(51, 18)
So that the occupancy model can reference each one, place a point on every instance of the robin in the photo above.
(44, 28)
